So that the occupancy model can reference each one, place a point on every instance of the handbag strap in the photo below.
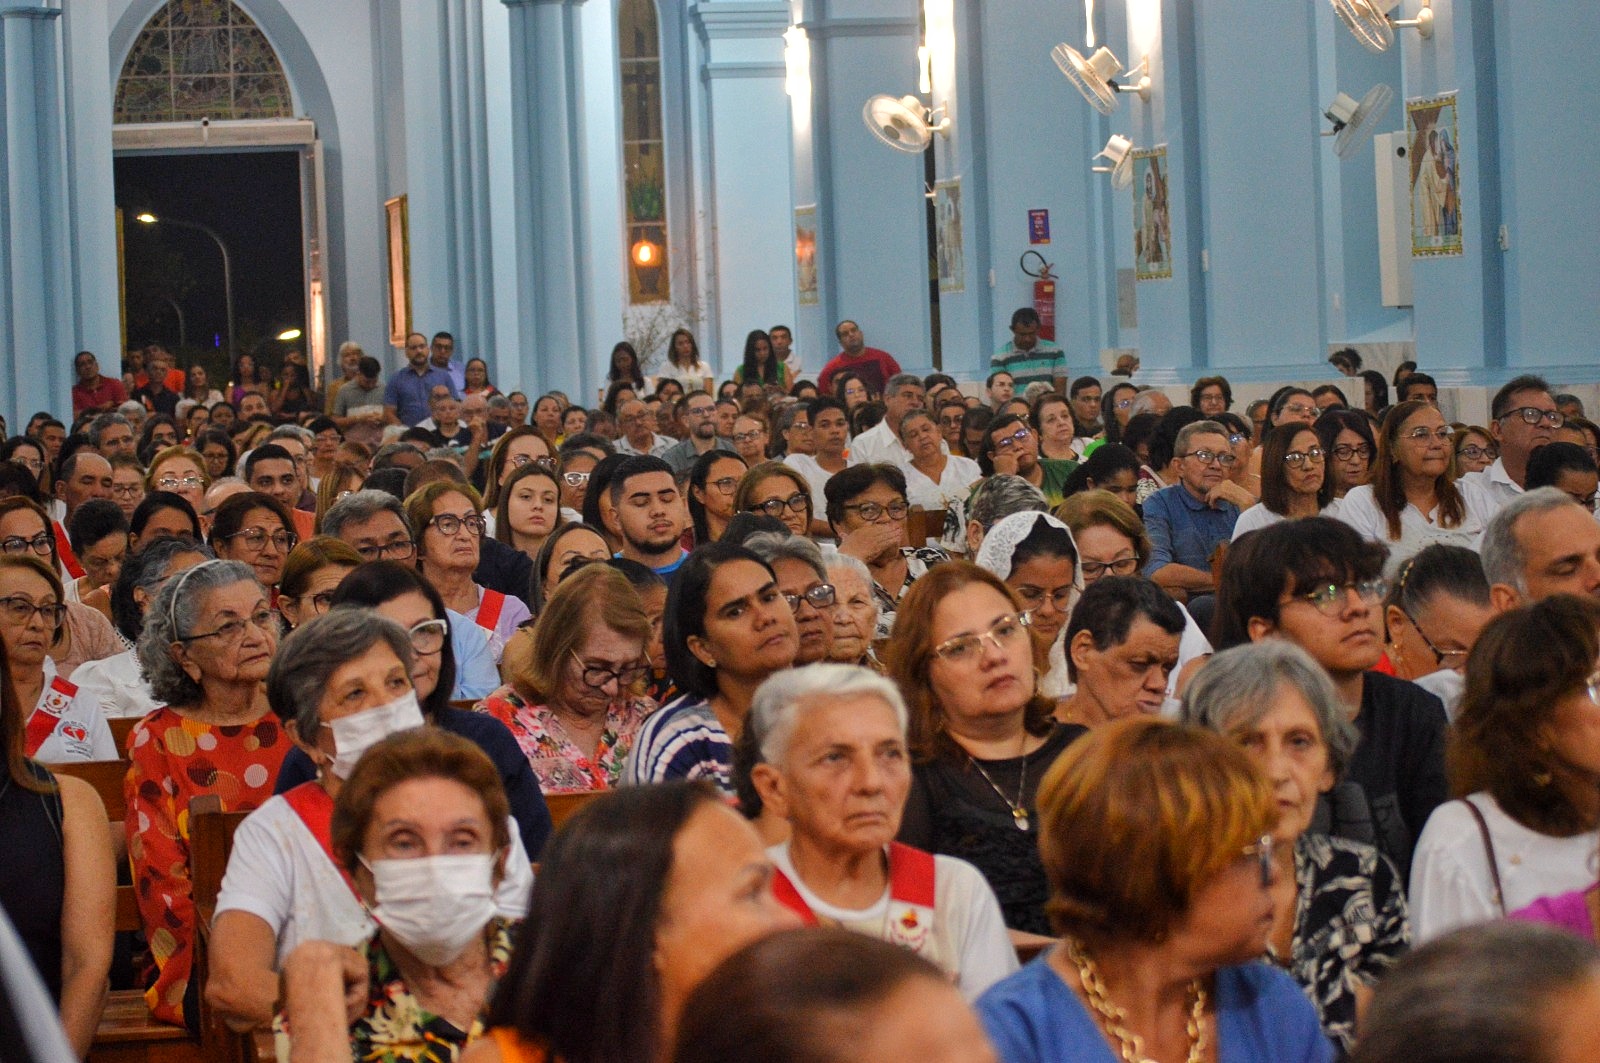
(1488, 850)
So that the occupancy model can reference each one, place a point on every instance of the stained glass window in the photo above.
(644, 172)
(201, 59)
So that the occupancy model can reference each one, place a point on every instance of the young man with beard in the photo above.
(647, 514)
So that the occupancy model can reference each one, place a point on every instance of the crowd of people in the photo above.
(1032, 719)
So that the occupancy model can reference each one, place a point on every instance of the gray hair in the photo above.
(146, 569)
(304, 665)
(128, 411)
(499, 402)
(772, 547)
(292, 431)
(787, 413)
(1144, 402)
(900, 380)
(1036, 389)
(775, 711)
(1504, 559)
(1198, 428)
(104, 421)
(833, 559)
(1479, 993)
(359, 507)
(1002, 495)
(350, 345)
(171, 618)
(1238, 686)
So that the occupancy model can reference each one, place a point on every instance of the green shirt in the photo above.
(1043, 362)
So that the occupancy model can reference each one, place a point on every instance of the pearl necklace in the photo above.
(1130, 1046)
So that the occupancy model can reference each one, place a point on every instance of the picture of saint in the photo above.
(1435, 176)
(1152, 216)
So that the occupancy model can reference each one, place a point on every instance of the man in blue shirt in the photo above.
(405, 397)
(647, 513)
(441, 355)
(1189, 520)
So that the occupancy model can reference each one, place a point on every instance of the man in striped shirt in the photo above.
(1028, 358)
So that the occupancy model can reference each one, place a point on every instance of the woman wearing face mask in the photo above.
(421, 826)
(341, 683)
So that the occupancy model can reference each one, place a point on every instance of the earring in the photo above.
(1541, 777)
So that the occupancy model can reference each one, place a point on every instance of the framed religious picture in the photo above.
(1434, 153)
(399, 265)
(1152, 217)
(950, 253)
(805, 254)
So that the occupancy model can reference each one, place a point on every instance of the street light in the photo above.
(227, 264)
(288, 335)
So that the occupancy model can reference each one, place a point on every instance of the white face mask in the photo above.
(353, 735)
(435, 905)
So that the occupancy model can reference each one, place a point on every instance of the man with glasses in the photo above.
(111, 434)
(700, 413)
(374, 523)
(647, 513)
(638, 431)
(1524, 418)
(881, 444)
(803, 581)
(1189, 520)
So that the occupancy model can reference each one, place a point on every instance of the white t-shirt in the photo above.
(1451, 884)
(693, 378)
(955, 483)
(1255, 518)
(81, 732)
(1360, 510)
(969, 937)
(279, 873)
(816, 476)
(118, 684)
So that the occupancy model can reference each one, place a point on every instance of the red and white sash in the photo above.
(489, 608)
(53, 704)
(314, 806)
(911, 897)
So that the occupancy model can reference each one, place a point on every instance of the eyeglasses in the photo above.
(397, 549)
(700, 411)
(597, 677)
(821, 596)
(132, 490)
(16, 544)
(575, 479)
(872, 512)
(1299, 409)
(1002, 634)
(1206, 457)
(1296, 458)
(1330, 597)
(448, 524)
(1441, 658)
(31, 464)
(1236, 438)
(173, 483)
(428, 637)
(1593, 683)
(256, 539)
(1123, 404)
(19, 611)
(724, 484)
(1035, 597)
(517, 461)
(233, 630)
(1533, 415)
(319, 602)
(747, 437)
(1262, 850)
(1423, 434)
(1346, 451)
(1117, 566)
(1015, 439)
(774, 507)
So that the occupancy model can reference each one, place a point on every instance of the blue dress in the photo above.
(1262, 1017)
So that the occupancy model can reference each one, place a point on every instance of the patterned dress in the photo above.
(560, 766)
(397, 1027)
(173, 760)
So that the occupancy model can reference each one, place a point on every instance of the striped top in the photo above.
(1043, 362)
(682, 740)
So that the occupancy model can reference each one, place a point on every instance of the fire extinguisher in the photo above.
(1044, 294)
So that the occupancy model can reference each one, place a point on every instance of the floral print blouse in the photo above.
(560, 766)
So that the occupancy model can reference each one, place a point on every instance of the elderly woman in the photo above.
(1122, 648)
(310, 574)
(256, 529)
(673, 881)
(935, 478)
(1339, 918)
(995, 498)
(206, 646)
(1294, 483)
(420, 823)
(180, 470)
(340, 683)
(446, 526)
(803, 582)
(981, 735)
(529, 509)
(779, 491)
(835, 766)
(727, 629)
(572, 697)
(1525, 764)
(855, 612)
(867, 510)
(1433, 615)
(88, 635)
(1158, 841)
(1034, 554)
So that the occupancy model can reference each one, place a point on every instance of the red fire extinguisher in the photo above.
(1044, 294)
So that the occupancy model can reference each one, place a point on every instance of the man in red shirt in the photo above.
(93, 391)
(872, 365)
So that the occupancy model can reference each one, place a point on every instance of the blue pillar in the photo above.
(550, 200)
(36, 322)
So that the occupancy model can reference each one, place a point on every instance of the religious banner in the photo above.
(805, 254)
(1152, 219)
(950, 253)
(1434, 148)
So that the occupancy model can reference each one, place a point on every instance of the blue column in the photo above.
(550, 201)
(36, 323)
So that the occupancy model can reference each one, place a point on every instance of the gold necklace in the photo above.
(1130, 1046)
(1019, 811)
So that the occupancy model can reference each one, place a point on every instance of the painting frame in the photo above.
(950, 252)
(1152, 214)
(805, 256)
(398, 262)
(1433, 153)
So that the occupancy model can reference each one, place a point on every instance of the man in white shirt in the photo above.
(783, 350)
(1524, 418)
(830, 436)
(881, 443)
(636, 422)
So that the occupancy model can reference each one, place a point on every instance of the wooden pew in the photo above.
(121, 726)
(210, 845)
(563, 806)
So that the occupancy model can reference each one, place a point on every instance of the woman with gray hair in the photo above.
(207, 643)
(834, 764)
(1340, 917)
(855, 610)
(341, 683)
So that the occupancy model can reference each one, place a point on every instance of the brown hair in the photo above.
(594, 596)
(310, 557)
(1089, 509)
(502, 508)
(1137, 817)
(1524, 662)
(13, 728)
(419, 506)
(1387, 490)
(1275, 443)
(766, 471)
(178, 450)
(420, 753)
(910, 652)
(497, 460)
(331, 487)
(31, 563)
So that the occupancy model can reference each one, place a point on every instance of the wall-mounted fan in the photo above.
(1118, 152)
(1371, 24)
(1093, 77)
(903, 122)
(1353, 122)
